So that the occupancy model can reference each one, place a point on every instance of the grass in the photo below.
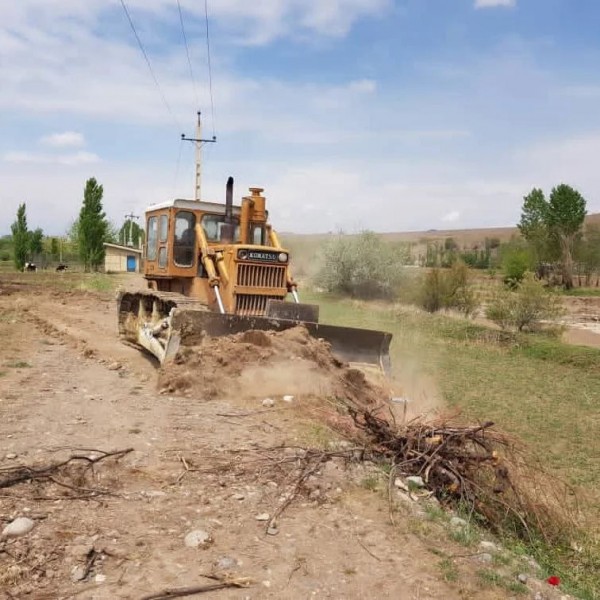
(582, 292)
(543, 391)
(19, 364)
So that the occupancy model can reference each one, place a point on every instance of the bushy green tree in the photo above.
(92, 228)
(524, 308)
(361, 266)
(449, 289)
(516, 260)
(551, 227)
(566, 213)
(20, 236)
(130, 231)
(36, 242)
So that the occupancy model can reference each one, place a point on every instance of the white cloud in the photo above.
(452, 216)
(77, 158)
(495, 3)
(63, 140)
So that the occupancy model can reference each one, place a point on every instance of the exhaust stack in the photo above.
(227, 231)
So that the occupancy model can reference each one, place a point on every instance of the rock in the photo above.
(399, 483)
(239, 497)
(226, 563)
(81, 550)
(488, 547)
(78, 574)
(458, 522)
(20, 526)
(415, 481)
(114, 366)
(268, 402)
(288, 398)
(522, 578)
(262, 517)
(485, 557)
(11, 456)
(197, 538)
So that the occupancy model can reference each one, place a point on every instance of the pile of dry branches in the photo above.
(476, 468)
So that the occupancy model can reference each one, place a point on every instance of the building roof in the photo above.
(126, 248)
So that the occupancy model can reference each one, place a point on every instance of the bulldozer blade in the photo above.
(292, 311)
(348, 344)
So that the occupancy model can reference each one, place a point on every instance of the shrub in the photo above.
(525, 307)
(449, 288)
(515, 263)
(361, 266)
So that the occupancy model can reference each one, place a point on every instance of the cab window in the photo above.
(257, 235)
(185, 239)
(163, 228)
(213, 225)
(152, 238)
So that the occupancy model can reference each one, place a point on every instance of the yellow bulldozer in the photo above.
(215, 269)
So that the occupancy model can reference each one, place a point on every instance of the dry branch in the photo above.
(200, 589)
(25, 473)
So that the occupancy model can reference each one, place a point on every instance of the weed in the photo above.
(466, 536)
(19, 364)
(370, 482)
(448, 569)
(488, 577)
(350, 571)
(3, 373)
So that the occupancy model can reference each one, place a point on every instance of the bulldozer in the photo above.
(215, 269)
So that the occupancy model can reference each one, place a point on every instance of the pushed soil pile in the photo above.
(259, 364)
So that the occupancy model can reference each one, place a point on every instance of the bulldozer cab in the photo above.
(226, 256)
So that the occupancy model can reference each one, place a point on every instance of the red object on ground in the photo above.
(553, 580)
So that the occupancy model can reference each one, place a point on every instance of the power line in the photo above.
(139, 41)
(212, 103)
(187, 51)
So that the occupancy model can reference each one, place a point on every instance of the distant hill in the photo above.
(304, 247)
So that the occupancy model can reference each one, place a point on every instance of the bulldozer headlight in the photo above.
(243, 254)
(283, 257)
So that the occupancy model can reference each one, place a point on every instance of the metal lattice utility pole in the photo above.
(198, 141)
(130, 236)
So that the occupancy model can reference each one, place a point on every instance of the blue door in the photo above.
(131, 264)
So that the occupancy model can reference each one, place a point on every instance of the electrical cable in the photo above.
(212, 103)
(139, 41)
(187, 51)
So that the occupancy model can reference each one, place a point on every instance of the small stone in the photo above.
(100, 578)
(197, 538)
(272, 531)
(114, 366)
(399, 483)
(485, 557)
(262, 517)
(268, 402)
(538, 596)
(11, 456)
(288, 398)
(266, 583)
(239, 497)
(522, 578)
(77, 574)
(415, 481)
(20, 526)
(226, 563)
(488, 547)
(458, 522)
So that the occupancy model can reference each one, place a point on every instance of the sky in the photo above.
(388, 115)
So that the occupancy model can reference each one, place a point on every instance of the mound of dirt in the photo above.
(259, 364)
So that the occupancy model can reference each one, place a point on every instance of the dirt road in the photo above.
(68, 386)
